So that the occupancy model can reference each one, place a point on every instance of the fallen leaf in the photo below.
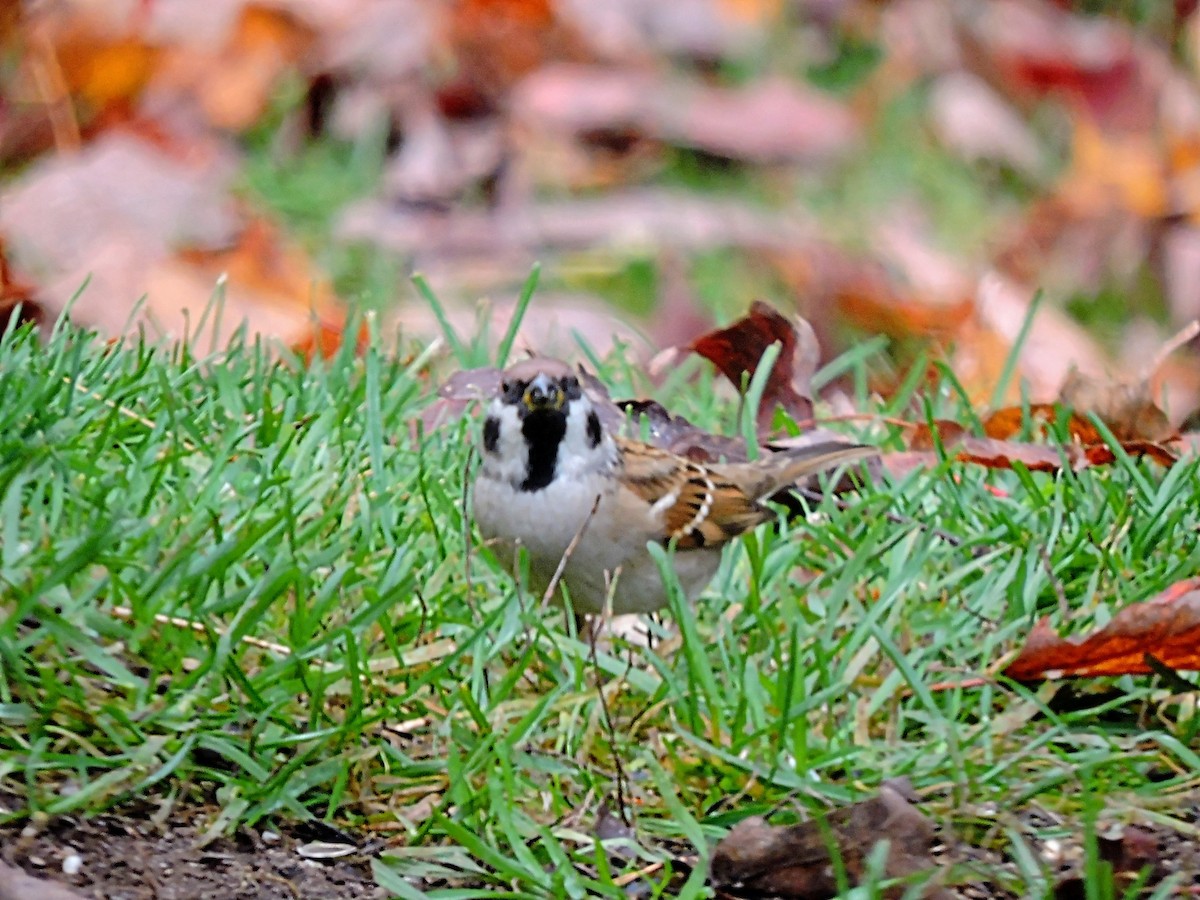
(641, 218)
(1004, 454)
(871, 302)
(793, 862)
(943, 431)
(456, 394)
(125, 219)
(1130, 852)
(1010, 421)
(227, 78)
(973, 120)
(696, 30)
(1102, 454)
(677, 435)
(1126, 407)
(767, 121)
(737, 350)
(13, 294)
(1096, 62)
(986, 452)
(1166, 627)
(494, 43)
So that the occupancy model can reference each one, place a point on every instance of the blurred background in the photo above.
(918, 169)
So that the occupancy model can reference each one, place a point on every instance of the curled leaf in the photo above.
(737, 350)
(1166, 627)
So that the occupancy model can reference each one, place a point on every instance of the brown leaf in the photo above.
(767, 121)
(1003, 454)
(793, 862)
(873, 304)
(14, 293)
(227, 80)
(1132, 851)
(664, 218)
(1102, 454)
(736, 352)
(459, 391)
(947, 432)
(987, 452)
(1126, 407)
(130, 219)
(973, 120)
(496, 42)
(678, 435)
(1004, 423)
(1166, 627)
(1009, 421)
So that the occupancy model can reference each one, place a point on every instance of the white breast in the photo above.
(544, 523)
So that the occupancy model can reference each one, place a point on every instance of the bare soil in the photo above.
(126, 857)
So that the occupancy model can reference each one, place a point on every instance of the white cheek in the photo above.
(510, 461)
(576, 455)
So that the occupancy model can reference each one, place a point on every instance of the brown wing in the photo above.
(700, 508)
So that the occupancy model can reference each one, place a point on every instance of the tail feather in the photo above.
(780, 469)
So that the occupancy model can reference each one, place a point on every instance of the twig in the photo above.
(562, 563)
(126, 614)
(418, 656)
(622, 880)
(467, 519)
(1064, 608)
(52, 85)
(1181, 337)
(612, 738)
(123, 410)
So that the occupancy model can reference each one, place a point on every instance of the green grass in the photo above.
(355, 657)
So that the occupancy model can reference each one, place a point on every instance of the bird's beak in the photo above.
(543, 393)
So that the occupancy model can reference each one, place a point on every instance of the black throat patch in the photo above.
(543, 433)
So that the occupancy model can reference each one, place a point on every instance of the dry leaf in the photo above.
(14, 293)
(1004, 454)
(128, 219)
(973, 120)
(643, 218)
(1126, 407)
(943, 431)
(793, 862)
(228, 78)
(1005, 423)
(1166, 627)
(764, 122)
(737, 350)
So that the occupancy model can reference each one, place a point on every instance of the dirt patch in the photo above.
(126, 857)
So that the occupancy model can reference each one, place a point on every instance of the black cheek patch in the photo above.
(593, 429)
(491, 434)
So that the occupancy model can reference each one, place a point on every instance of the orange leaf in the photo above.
(1166, 627)
(1009, 421)
(949, 433)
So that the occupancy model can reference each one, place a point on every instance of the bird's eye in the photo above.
(512, 390)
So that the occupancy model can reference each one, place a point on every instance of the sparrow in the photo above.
(579, 498)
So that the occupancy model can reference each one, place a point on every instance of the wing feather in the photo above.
(698, 507)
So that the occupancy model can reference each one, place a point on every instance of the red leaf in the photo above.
(736, 352)
(1166, 627)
